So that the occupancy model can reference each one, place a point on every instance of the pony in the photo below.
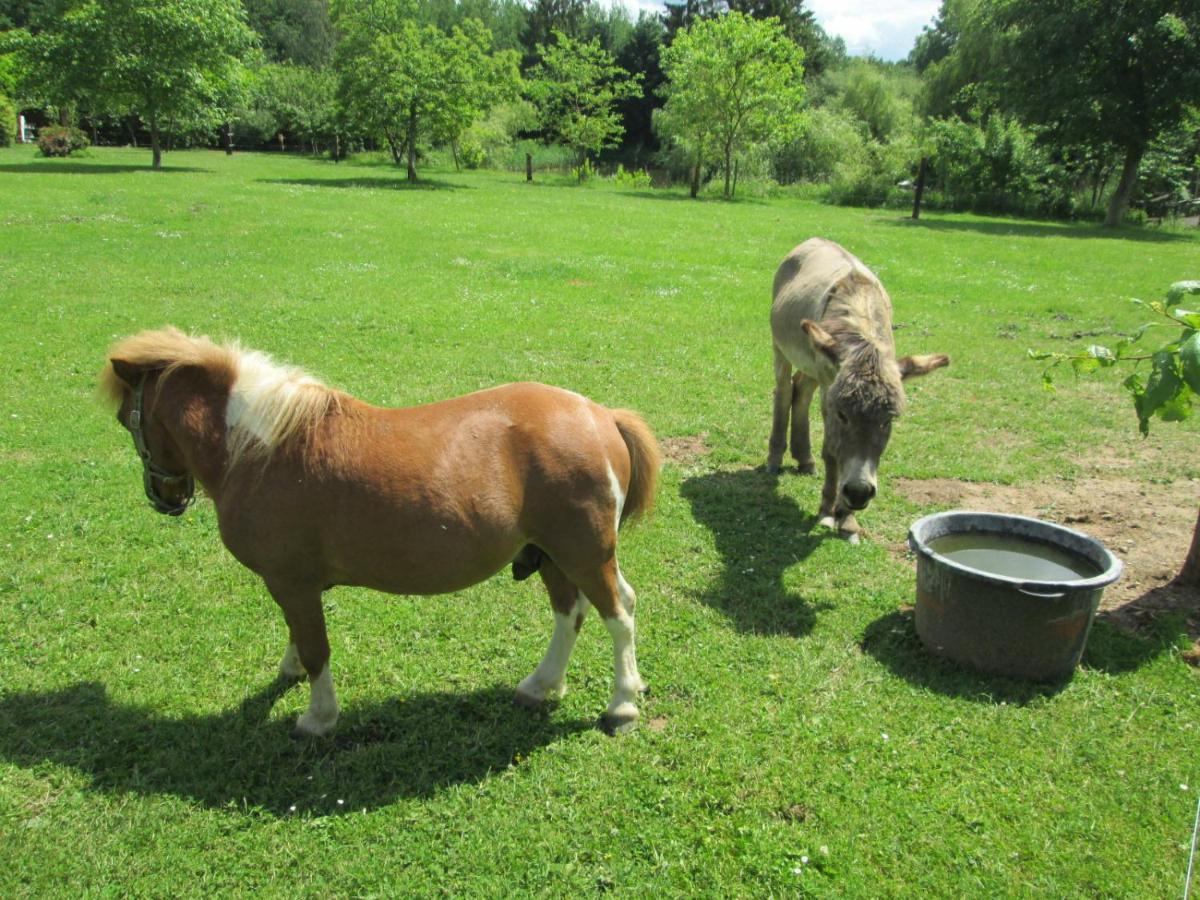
(831, 320)
(314, 488)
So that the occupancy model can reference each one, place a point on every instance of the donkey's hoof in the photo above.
(773, 468)
(827, 522)
(806, 468)
(852, 537)
(527, 701)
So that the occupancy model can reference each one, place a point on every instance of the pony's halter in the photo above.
(150, 469)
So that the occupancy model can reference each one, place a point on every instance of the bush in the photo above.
(825, 139)
(57, 140)
(638, 180)
(8, 121)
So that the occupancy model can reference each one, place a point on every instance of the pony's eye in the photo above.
(843, 418)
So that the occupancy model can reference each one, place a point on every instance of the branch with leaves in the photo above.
(1173, 384)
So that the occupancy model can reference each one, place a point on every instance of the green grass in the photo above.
(802, 742)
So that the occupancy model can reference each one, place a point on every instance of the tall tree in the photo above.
(641, 57)
(295, 31)
(161, 60)
(410, 81)
(575, 87)
(1091, 70)
(546, 19)
(731, 82)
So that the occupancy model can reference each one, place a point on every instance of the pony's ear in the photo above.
(912, 366)
(822, 340)
(127, 371)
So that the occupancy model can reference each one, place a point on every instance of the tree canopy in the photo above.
(730, 81)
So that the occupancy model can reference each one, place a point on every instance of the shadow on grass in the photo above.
(56, 167)
(1001, 228)
(759, 534)
(409, 747)
(378, 184)
(893, 640)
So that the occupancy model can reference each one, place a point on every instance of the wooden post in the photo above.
(529, 167)
(920, 192)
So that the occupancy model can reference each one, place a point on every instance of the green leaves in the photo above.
(1174, 379)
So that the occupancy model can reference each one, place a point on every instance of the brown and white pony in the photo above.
(831, 320)
(314, 488)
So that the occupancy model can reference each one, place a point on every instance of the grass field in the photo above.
(797, 739)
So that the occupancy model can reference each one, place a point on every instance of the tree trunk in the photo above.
(1119, 203)
(229, 139)
(411, 141)
(454, 153)
(728, 172)
(132, 132)
(155, 142)
(695, 186)
(733, 193)
(529, 167)
(922, 170)
(279, 137)
(1189, 575)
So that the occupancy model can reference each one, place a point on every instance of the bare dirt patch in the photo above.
(686, 449)
(1149, 526)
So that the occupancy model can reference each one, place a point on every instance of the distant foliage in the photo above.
(638, 179)
(8, 121)
(55, 140)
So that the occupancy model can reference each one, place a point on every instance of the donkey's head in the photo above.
(862, 399)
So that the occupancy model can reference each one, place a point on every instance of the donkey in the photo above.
(831, 320)
(313, 488)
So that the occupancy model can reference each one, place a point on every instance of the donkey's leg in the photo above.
(782, 406)
(803, 389)
(829, 492)
(615, 600)
(570, 608)
(301, 605)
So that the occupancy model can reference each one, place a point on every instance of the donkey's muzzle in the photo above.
(858, 494)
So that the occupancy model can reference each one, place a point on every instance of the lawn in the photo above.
(797, 738)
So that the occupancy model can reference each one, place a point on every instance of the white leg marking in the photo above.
(548, 680)
(629, 602)
(290, 666)
(626, 681)
(322, 712)
(618, 495)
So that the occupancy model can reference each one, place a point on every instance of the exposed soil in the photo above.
(686, 449)
(1144, 524)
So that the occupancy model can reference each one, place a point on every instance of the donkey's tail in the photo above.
(645, 459)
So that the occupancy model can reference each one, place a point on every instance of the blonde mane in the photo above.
(268, 403)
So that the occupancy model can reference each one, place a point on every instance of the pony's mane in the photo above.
(268, 403)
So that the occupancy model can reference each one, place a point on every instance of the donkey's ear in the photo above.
(127, 371)
(822, 340)
(912, 366)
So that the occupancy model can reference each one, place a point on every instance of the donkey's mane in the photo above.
(268, 403)
(869, 377)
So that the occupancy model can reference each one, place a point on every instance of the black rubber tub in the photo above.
(1005, 624)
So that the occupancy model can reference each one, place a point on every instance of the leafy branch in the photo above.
(1173, 384)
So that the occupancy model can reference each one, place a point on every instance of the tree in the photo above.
(1088, 71)
(1170, 390)
(410, 81)
(575, 87)
(295, 31)
(161, 60)
(731, 81)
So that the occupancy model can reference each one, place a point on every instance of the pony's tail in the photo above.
(645, 459)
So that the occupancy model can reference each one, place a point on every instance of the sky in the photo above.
(885, 28)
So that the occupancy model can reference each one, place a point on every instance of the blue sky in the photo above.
(886, 28)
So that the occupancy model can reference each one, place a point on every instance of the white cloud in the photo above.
(886, 28)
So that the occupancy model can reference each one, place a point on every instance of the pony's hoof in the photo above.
(773, 468)
(306, 728)
(806, 468)
(853, 538)
(527, 701)
(614, 725)
(827, 522)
